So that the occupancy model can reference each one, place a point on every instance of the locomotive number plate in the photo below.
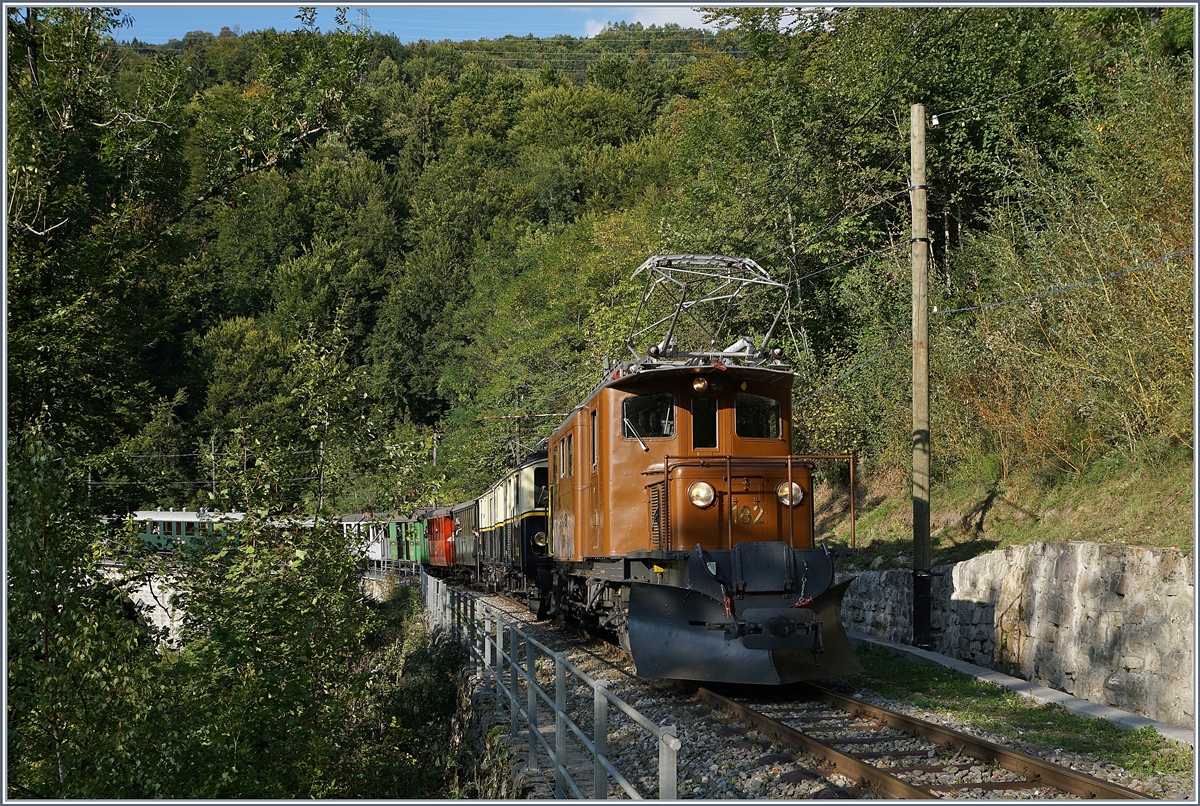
(748, 514)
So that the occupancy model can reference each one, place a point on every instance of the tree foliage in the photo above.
(80, 659)
(302, 273)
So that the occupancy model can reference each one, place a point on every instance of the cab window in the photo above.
(704, 422)
(648, 416)
(756, 417)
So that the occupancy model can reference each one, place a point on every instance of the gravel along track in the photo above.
(721, 758)
(1175, 787)
(907, 757)
(718, 759)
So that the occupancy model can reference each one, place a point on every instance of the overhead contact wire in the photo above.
(1073, 286)
(854, 368)
(854, 259)
(1050, 292)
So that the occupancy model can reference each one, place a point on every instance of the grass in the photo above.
(989, 707)
(977, 510)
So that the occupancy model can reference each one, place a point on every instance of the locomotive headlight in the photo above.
(539, 539)
(790, 493)
(702, 494)
(700, 384)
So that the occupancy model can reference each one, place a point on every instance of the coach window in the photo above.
(649, 416)
(704, 422)
(756, 417)
(570, 464)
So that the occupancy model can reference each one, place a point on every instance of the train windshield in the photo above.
(757, 417)
(540, 484)
(649, 416)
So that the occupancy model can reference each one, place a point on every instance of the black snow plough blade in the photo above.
(839, 658)
(686, 635)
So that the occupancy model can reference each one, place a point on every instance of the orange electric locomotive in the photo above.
(680, 521)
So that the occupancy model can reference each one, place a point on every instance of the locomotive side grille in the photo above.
(660, 521)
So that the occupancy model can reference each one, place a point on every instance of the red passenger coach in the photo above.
(440, 535)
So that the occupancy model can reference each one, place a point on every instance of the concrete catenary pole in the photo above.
(922, 605)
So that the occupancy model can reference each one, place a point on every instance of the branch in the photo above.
(14, 784)
(46, 231)
(133, 119)
(304, 134)
(215, 189)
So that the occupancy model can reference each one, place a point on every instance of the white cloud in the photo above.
(652, 15)
(661, 15)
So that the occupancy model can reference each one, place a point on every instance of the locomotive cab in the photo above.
(674, 457)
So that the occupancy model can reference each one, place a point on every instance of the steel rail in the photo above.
(1036, 771)
(882, 782)
(1031, 767)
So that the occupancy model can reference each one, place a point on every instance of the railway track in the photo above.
(890, 755)
(809, 742)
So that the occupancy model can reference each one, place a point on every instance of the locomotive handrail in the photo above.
(471, 621)
(668, 464)
(728, 495)
(712, 459)
(791, 515)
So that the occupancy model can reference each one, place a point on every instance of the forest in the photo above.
(302, 273)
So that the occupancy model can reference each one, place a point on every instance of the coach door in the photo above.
(563, 503)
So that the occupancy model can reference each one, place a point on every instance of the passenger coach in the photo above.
(512, 523)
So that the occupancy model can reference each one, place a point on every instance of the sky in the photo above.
(159, 23)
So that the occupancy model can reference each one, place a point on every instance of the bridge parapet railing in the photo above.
(494, 641)
(400, 570)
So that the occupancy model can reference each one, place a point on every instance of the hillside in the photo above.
(306, 273)
(970, 516)
(330, 252)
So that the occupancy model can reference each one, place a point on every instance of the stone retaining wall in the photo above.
(155, 597)
(378, 588)
(1111, 624)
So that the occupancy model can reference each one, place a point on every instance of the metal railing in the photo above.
(660, 520)
(485, 631)
(381, 569)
